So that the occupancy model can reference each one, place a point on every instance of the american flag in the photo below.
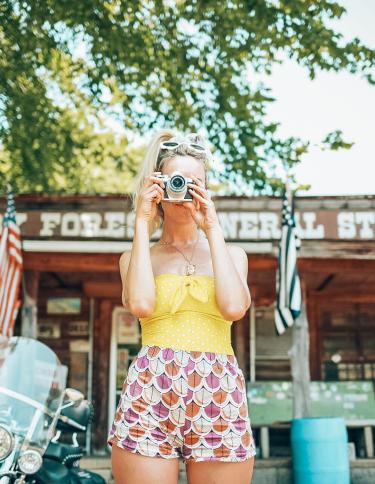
(288, 288)
(11, 265)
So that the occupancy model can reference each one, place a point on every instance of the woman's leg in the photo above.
(131, 468)
(216, 472)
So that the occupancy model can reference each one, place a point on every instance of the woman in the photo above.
(184, 394)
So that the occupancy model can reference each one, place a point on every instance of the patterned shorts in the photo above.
(188, 404)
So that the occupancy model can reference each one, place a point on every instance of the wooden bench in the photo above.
(271, 406)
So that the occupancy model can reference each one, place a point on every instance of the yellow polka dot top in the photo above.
(186, 315)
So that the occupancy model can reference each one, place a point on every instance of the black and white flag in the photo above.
(288, 288)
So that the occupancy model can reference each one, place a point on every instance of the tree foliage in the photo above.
(65, 65)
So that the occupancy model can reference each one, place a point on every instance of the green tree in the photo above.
(64, 64)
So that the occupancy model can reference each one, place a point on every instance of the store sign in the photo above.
(63, 305)
(242, 224)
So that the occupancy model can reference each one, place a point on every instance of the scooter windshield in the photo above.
(32, 382)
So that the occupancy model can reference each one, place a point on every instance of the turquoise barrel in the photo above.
(320, 451)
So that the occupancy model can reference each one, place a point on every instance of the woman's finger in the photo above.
(196, 203)
(150, 180)
(153, 194)
(189, 205)
(193, 204)
(158, 196)
(157, 180)
(201, 190)
(198, 181)
(195, 194)
(154, 186)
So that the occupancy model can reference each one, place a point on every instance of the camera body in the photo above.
(176, 188)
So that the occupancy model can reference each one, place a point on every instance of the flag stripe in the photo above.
(11, 300)
(11, 266)
(288, 289)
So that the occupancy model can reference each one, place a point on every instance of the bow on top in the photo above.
(194, 286)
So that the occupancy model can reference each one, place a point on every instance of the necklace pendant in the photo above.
(190, 269)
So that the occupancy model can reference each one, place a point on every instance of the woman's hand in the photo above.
(149, 196)
(202, 208)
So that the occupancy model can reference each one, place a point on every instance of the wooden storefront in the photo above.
(72, 246)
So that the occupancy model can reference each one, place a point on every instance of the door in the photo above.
(125, 345)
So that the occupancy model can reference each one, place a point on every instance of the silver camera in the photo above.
(176, 188)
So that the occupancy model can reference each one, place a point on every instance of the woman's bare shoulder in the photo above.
(125, 255)
(236, 249)
(124, 260)
(238, 255)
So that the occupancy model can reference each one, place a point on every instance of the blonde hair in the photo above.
(154, 160)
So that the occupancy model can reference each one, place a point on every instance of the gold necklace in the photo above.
(189, 267)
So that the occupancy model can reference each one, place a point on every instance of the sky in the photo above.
(311, 109)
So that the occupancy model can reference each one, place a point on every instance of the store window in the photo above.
(347, 341)
(63, 325)
(125, 345)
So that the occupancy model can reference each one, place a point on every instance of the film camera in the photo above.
(176, 188)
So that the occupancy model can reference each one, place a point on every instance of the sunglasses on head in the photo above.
(175, 142)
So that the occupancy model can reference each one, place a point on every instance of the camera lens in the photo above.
(177, 183)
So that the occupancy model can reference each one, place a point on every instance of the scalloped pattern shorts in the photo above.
(188, 404)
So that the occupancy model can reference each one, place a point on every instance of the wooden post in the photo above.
(252, 345)
(102, 337)
(30, 302)
(300, 365)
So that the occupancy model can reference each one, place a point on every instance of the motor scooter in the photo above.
(34, 406)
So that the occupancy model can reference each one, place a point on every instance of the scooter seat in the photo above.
(53, 471)
(64, 453)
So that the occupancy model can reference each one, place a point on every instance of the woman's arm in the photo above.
(230, 268)
(229, 265)
(138, 293)
(138, 283)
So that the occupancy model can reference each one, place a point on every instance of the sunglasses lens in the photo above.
(169, 144)
(197, 147)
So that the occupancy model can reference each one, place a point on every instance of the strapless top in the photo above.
(186, 315)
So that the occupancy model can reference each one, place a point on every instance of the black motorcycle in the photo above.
(34, 404)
